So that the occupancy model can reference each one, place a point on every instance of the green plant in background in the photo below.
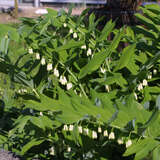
(79, 95)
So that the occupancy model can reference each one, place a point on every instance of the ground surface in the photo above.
(29, 11)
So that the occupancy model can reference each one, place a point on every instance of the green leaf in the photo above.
(148, 22)
(156, 153)
(20, 124)
(114, 78)
(98, 59)
(52, 12)
(21, 78)
(3, 139)
(37, 121)
(158, 102)
(48, 123)
(145, 32)
(141, 148)
(150, 121)
(45, 26)
(71, 44)
(132, 66)
(91, 22)
(130, 33)
(29, 145)
(8, 30)
(106, 30)
(125, 59)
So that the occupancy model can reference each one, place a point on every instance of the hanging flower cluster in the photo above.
(141, 85)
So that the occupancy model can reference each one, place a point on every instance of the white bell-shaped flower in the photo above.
(89, 52)
(84, 47)
(52, 151)
(65, 127)
(128, 143)
(41, 113)
(65, 25)
(120, 141)
(135, 95)
(111, 135)
(105, 133)
(75, 35)
(43, 61)
(71, 31)
(145, 83)
(94, 134)
(49, 67)
(150, 76)
(86, 131)
(71, 127)
(69, 149)
(140, 86)
(103, 70)
(37, 56)
(63, 80)
(56, 72)
(80, 129)
(69, 86)
(99, 130)
(107, 88)
(30, 51)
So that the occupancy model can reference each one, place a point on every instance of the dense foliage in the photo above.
(70, 91)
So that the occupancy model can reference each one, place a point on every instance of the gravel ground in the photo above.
(5, 155)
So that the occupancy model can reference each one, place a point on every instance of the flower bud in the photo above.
(154, 71)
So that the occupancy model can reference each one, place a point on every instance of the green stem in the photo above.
(36, 93)
(75, 78)
(80, 85)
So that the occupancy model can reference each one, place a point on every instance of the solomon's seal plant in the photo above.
(73, 92)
